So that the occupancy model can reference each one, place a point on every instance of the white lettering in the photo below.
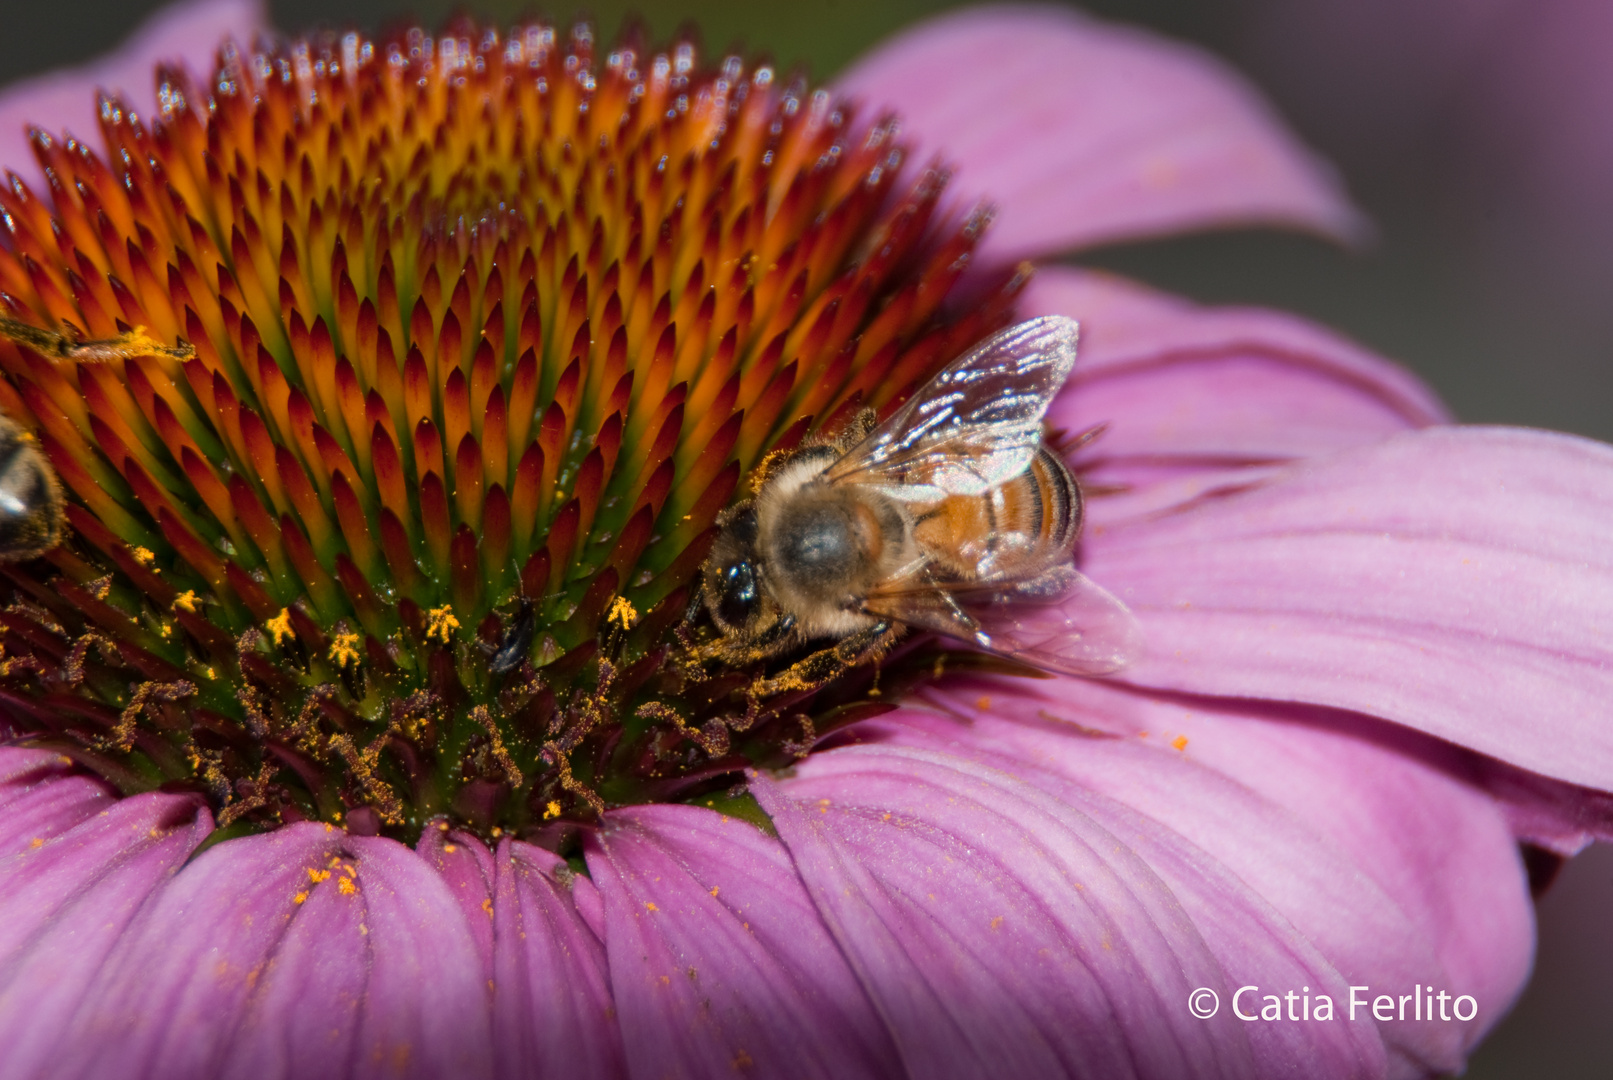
(1238, 1008)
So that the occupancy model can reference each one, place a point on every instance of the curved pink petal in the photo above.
(552, 1008)
(1456, 580)
(719, 961)
(41, 795)
(467, 868)
(536, 927)
(1387, 855)
(188, 33)
(1004, 929)
(89, 865)
(1083, 131)
(302, 952)
(1195, 399)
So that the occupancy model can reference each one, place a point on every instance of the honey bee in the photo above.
(952, 516)
(31, 506)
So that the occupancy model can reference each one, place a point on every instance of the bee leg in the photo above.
(813, 671)
(739, 653)
(68, 347)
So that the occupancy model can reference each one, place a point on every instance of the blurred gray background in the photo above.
(1479, 136)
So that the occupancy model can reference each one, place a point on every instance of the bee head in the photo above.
(732, 579)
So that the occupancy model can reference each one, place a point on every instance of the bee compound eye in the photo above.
(737, 595)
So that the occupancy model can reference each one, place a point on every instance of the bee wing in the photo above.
(1059, 620)
(974, 425)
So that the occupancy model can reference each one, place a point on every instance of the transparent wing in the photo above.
(1059, 620)
(974, 425)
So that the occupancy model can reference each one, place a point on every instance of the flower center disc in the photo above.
(487, 331)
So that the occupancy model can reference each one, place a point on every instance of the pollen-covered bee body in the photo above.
(951, 516)
(31, 516)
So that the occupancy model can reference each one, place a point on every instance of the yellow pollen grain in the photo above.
(316, 876)
(344, 650)
(487, 906)
(551, 811)
(449, 849)
(187, 601)
(1180, 742)
(279, 627)
(622, 613)
(300, 897)
(37, 842)
(441, 624)
(144, 556)
(346, 887)
(983, 703)
(997, 923)
(649, 905)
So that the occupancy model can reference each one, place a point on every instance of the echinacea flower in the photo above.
(351, 734)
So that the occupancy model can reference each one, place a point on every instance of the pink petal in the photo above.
(1382, 851)
(467, 868)
(552, 1008)
(1196, 399)
(41, 795)
(720, 963)
(1083, 131)
(69, 893)
(188, 32)
(1458, 581)
(302, 952)
(1006, 930)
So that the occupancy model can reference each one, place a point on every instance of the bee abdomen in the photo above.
(1058, 507)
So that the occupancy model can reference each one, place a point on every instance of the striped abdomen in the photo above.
(1026, 525)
